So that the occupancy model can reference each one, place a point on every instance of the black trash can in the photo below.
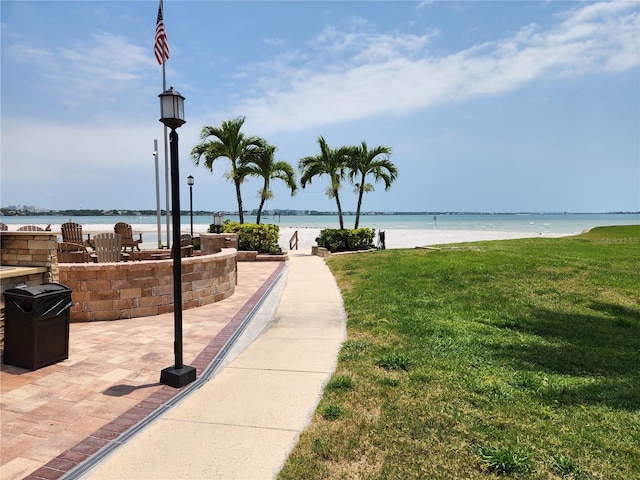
(36, 330)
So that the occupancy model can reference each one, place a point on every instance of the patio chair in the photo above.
(124, 230)
(74, 253)
(186, 248)
(72, 233)
(31, 228)
(108, 248)
(3, 227)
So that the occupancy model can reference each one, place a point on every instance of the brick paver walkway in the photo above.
(58, 416)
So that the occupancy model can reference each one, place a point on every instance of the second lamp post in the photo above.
(190, 183)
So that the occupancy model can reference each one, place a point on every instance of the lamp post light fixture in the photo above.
(172, 115)
(190, 183)
(217, 221)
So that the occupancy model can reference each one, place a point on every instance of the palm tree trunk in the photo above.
(360, 194)
(262, 200)
(335, 193)
(358, 208)
(239, 197)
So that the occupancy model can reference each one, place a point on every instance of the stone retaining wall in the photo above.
(215, 242)
(113, 291)
(29, 249)
(34, 250)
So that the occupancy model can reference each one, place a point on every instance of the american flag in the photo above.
(161, 47)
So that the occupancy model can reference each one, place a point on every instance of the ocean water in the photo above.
(533, 222)
(543, 223)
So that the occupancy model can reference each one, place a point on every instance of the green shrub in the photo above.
(262, 238)
(336, 240)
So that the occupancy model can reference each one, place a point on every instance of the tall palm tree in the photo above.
(331, 162)
(265, 166)
(370, 162)
(227, 142)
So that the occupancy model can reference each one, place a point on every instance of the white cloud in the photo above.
(597, 11)
(383, 47)
(273, 41)
(368, 74)
(424, 3)
(27, 53)
(89, 72)
(72, 147)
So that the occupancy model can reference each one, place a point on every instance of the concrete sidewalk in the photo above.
(243, 422)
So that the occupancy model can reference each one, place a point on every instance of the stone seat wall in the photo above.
(113, 291)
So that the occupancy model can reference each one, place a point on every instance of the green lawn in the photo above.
(513, 358)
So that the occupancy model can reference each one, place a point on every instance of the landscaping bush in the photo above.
(336, 240)
(262, 238)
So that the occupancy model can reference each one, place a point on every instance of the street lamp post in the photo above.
(172, 115)
(190, 183)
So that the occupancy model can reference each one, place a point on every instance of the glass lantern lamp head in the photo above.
(190, 180)
(217, 219)
(172, 109)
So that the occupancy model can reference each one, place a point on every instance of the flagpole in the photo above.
(164, 55)
(158, 214)
(166, 157)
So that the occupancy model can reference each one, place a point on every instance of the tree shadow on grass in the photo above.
(624, 316)
(598, 355)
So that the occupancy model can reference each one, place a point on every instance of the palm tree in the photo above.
(264, 165)
(331, 162)
(227, 142)
(371, 162)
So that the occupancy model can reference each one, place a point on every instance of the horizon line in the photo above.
(307, 212)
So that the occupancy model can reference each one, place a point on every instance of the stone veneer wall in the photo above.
(29, 249)
(26, 249)
(113, 291)
(215, 242)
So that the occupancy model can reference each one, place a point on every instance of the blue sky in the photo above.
(487, 106)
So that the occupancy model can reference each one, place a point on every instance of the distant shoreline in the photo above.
(5, 212)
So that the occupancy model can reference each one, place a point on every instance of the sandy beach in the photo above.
(412, 238)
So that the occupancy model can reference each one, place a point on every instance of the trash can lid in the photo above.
(37, 290)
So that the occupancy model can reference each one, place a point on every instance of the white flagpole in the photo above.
(166, 165)
(166, 142)
(158, 213)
